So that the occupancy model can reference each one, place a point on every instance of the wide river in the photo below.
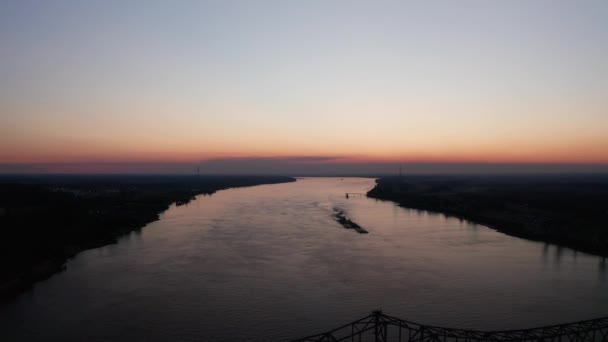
(269, 262)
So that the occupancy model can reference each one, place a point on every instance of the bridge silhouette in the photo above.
(378, 327)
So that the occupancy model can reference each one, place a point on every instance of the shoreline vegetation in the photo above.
(46, 220)
(566, 210)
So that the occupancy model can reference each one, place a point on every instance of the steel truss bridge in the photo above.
(379, 327)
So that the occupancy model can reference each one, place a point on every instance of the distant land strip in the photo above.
(47, 219)
(567, 210)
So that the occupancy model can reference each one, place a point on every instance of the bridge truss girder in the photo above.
(379, 327)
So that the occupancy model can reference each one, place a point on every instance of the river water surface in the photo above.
(269, 262)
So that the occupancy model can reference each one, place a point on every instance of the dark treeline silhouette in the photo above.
(568, 210)
(46, 219)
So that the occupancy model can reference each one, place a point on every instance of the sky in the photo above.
(161, 86)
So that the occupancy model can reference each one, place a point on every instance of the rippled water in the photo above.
(269, 262)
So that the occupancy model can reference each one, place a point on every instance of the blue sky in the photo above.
(367, 81)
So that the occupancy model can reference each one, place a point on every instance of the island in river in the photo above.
(47, 219)
(567, 210)
(340, 216)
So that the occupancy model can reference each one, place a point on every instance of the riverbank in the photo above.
(46, 220)
(570, 211)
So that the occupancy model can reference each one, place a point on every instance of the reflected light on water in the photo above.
(270, 262)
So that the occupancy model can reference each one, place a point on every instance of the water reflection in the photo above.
(545, 252)
(270, 263)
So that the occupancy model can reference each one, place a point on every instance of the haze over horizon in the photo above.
(317, 87)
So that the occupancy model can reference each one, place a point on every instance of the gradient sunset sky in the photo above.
(142, 84)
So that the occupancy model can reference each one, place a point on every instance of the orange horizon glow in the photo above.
(520, 83)
(586, 150)
(585, 159)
